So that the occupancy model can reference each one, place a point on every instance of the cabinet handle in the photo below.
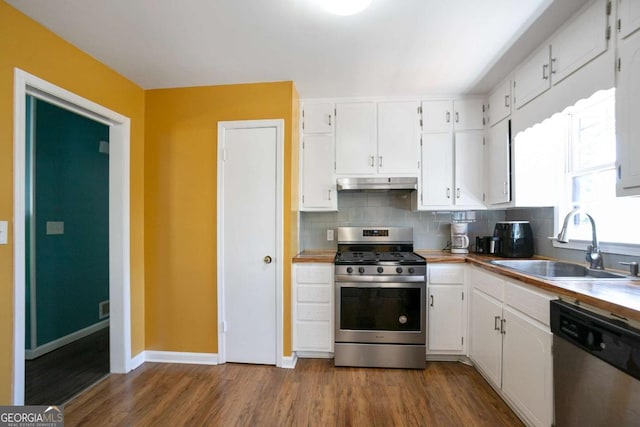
(503, 330)
(380, 161)
(329, 194)
(496, 327)
(504, 189)
(553, 61)
(458, 193)
(448, 117)
(329, 116)
(506, 101)
(431, 303)
(448, 193)
(457, 117)
(544, 71)
(371, 160)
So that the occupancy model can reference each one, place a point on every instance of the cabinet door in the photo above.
(486, 340)
(531, 78)
(318, 183)
(445, 324)
(580, 41)
(356, 141)
(398, 140)
(437, 169)
(437, 116)
(469, 170)
(500, 103)
(468, 114)
(628, 17)
(498, 164)
(527, 376)
(317, 118)
(627, 113)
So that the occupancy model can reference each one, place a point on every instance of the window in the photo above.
(590, 175)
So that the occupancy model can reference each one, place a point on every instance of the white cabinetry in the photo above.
(447, 115)
(499, 164)
(398, 138)
(356, 139)
(582, 39)
(446, 309)
(500, 103)
(317, 118)
(313, 308)
(318, 182)
(628, 17)
(510, 343)
(452, 171)
(627, 113)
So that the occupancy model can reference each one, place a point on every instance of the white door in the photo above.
(469, 168)
(356, 139)
(498, 164)
(437, 169)
(486, 339)
(532, 77)
(398, 140)
(437, 116)
(318, 183)
(468, 114)
(249, 240)
(445, 318)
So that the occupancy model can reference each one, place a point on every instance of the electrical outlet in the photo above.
(329, 234)
(4, 229)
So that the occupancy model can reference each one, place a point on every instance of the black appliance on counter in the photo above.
(380, 289)
(516, 239)
(489, 245)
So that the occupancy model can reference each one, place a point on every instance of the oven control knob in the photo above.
(399, 270)
(380, 269)
(411, 270)
(361, 270)
(349, 270)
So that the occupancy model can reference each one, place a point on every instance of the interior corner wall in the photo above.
(29, 46)
(181, 209)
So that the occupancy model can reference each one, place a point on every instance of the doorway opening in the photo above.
(118, 218)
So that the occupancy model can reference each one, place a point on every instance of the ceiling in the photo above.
(394, 48)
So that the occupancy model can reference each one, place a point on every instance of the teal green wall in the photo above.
(71, 185)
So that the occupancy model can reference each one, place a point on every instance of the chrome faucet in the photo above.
(594, 257)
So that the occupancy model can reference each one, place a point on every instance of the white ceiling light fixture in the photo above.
(344, 7)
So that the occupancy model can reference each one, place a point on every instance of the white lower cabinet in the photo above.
(510, 343)
(446, 309)
(313, 308)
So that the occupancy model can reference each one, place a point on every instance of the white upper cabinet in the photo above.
(500, 103)
(579, 41)
(446, 115)
(531, 78)
(628, 17)
(498, 164)
(627, 113)
(584, 38)
(318, 182)
(398, 138)
(318, 118)
(437, 170)
(469, 170)
(356, 139)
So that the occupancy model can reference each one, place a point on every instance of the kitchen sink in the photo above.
(557, 270)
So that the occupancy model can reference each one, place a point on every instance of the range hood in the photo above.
(378, 184)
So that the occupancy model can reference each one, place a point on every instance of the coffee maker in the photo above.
(459, 238)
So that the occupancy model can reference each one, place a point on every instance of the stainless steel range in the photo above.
(380, 299)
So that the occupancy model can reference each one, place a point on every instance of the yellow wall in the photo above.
(180, 206)
(30, 47)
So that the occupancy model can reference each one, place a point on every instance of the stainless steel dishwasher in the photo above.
(596, 369)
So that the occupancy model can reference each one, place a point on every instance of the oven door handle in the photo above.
(399, 285)
(383, 281)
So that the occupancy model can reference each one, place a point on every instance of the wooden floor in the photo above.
(56, 377)
(315, 393)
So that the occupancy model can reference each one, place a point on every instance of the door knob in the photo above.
(267, 259)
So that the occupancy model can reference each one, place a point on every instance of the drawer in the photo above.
(314, 312)
(488, 283)
(446, 274)
(314, 293)
(313, 336)
(532, 302)
(315, 274)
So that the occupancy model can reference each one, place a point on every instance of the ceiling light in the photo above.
(345, 7)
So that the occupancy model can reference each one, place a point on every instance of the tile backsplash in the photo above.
(431, 230)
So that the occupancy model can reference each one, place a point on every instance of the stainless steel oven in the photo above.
(380, 295)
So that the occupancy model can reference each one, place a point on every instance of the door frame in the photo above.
(119, 220)
(223, 126)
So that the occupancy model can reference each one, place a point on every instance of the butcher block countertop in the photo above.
(621, 297)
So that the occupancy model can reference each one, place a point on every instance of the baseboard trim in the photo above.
(180, 357)
(137, 361)
(67, 339)
(314, 355)
(289, 362)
